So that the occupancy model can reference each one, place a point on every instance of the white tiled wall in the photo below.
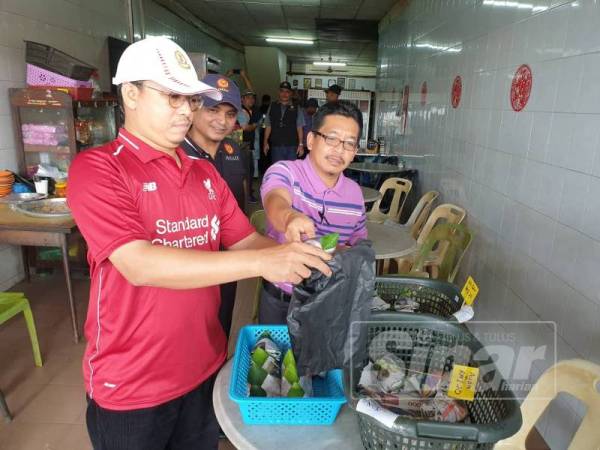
(78, 27)
(529, 180)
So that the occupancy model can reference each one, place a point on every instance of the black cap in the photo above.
(285, 85)
(312, 102)
(335, 88)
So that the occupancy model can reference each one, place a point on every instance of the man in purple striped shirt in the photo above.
(311, 197)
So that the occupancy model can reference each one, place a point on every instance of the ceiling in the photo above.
(249, 22)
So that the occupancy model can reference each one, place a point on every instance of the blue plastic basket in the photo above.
(321, 409)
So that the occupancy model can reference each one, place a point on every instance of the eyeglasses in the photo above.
(332, 141)
(177, 100)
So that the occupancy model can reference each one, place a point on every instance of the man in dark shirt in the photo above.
(264, 160)
(332, 93)
(248, 118)
(284, 122)
(206, 140)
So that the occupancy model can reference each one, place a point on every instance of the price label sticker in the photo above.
(463, 382)
(470, 291)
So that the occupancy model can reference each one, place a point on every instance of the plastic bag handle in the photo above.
(441, 430)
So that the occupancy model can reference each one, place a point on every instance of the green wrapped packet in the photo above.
(264, 375)
(296, 390)
(291, 384)
(329, 241)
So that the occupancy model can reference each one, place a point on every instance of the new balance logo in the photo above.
(149, 187)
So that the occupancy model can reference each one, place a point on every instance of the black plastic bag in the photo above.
(323, 309)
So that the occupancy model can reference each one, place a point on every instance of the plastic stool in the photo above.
(11, 304)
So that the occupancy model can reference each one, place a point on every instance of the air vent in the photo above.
(347, 30)
(213, 64)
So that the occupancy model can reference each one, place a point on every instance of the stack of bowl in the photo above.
(7, 180)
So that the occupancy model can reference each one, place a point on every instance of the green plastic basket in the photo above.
(439, 298)
(494, 413)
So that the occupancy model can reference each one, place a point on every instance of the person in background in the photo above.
(248, 119)
(247, 122)
(265, 158)
(309, 111)
(296, 98)
(207, 140)
(311, 198)
(154, 221)
(284, 122)
(332, 93)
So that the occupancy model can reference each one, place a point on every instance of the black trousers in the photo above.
(228, 291)
(272, 311)
(185, 423)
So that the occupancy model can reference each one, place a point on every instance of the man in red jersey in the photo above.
(154, 220)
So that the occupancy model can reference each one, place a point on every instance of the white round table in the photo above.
(390, 241)
(343, 434)
(369, 194)
(375, 167)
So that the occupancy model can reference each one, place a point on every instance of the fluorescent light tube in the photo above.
(290, 41)
(325, 63)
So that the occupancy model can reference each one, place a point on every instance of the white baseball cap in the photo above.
(161, 60)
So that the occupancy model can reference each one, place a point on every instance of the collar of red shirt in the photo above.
(145, 152)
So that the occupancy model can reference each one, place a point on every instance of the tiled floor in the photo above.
(48, 403)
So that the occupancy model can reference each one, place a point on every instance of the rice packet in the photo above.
(291, 384)
(264, 375)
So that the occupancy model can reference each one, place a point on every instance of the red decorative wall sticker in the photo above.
(456, 91)
(520, 88)
(424, 93)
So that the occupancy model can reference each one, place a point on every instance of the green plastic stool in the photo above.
(11, 304)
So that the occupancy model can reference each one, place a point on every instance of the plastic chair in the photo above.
(11, 304)
(259, 221)
(421, 213)
(446, 213)
(444, 266)
(399, 186)
(576, 377)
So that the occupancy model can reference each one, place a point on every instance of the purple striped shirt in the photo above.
(340, 209)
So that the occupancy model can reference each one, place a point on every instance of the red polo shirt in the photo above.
(149, 345)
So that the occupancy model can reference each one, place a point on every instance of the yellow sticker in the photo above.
(470, 291)
(463, 382)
